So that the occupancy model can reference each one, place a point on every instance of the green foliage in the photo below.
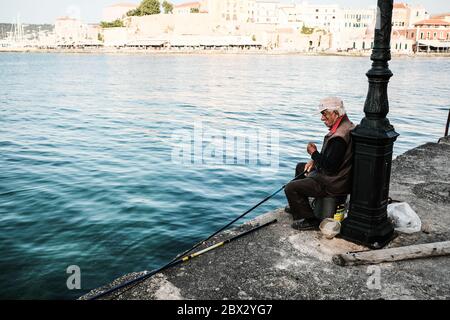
(100, 37)
(167, 6)
(253, 38)
(195, 10)
(115, 24)
(147, 7)
(306, 30)
(134, 12)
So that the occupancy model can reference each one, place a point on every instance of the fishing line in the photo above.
(177, 259)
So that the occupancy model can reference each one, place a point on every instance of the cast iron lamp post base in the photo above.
(373, 140)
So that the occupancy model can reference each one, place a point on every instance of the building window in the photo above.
(406, 46)
(428, 35)
(412, 35)
(364, 45)
(421, 35)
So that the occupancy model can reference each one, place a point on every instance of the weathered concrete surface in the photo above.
(278, 262)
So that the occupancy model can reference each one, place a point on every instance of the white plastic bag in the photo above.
(404, 218)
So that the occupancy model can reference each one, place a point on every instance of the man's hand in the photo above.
(309, 166)
(311, 148)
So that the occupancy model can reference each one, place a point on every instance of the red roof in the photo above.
(441, 16)
(400, 6)
(429, 22)
(187, 4)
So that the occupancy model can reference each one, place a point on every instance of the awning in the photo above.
(434, 43)
(147, 42)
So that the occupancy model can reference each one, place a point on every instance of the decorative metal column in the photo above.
(373, 139)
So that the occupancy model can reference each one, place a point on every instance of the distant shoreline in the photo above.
(210, 52)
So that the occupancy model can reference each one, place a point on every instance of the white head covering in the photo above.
(332, 104)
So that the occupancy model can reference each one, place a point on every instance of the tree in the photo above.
(147, 7)
(195, 10)
(134, 12)
(306, 30)
(168, 7)
(115, 24)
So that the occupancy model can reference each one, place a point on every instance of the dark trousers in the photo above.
(298, 191)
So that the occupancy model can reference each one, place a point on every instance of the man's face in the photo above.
(329, 118)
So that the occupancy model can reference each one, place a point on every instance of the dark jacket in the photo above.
(338, 183)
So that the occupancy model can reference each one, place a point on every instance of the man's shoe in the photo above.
(306, 224)
(287, 209)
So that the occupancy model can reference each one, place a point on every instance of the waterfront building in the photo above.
(163, 25)
(444, 16)
(117, 11)
(431, 35)
(347, 26)
(116, 37)
(277, 25)
(68, 30)
(233, 11)
(287, 13)
(400, 15)
(265, 11)
(326, 17)
(290, 39)
(355, 28)
(72, 32)
(405, 16)
(417, 13)
(191, 7)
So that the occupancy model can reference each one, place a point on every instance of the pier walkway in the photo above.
(279, 262)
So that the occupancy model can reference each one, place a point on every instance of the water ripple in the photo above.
(86, 148)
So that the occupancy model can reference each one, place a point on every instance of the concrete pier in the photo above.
(279, 262)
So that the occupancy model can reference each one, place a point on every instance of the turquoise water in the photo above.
(88, 175)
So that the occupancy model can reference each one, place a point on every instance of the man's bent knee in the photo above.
(289, 189)
(300, 167)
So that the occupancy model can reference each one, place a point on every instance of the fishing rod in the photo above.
(240, 217)
(143, 277)
(179, 261)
